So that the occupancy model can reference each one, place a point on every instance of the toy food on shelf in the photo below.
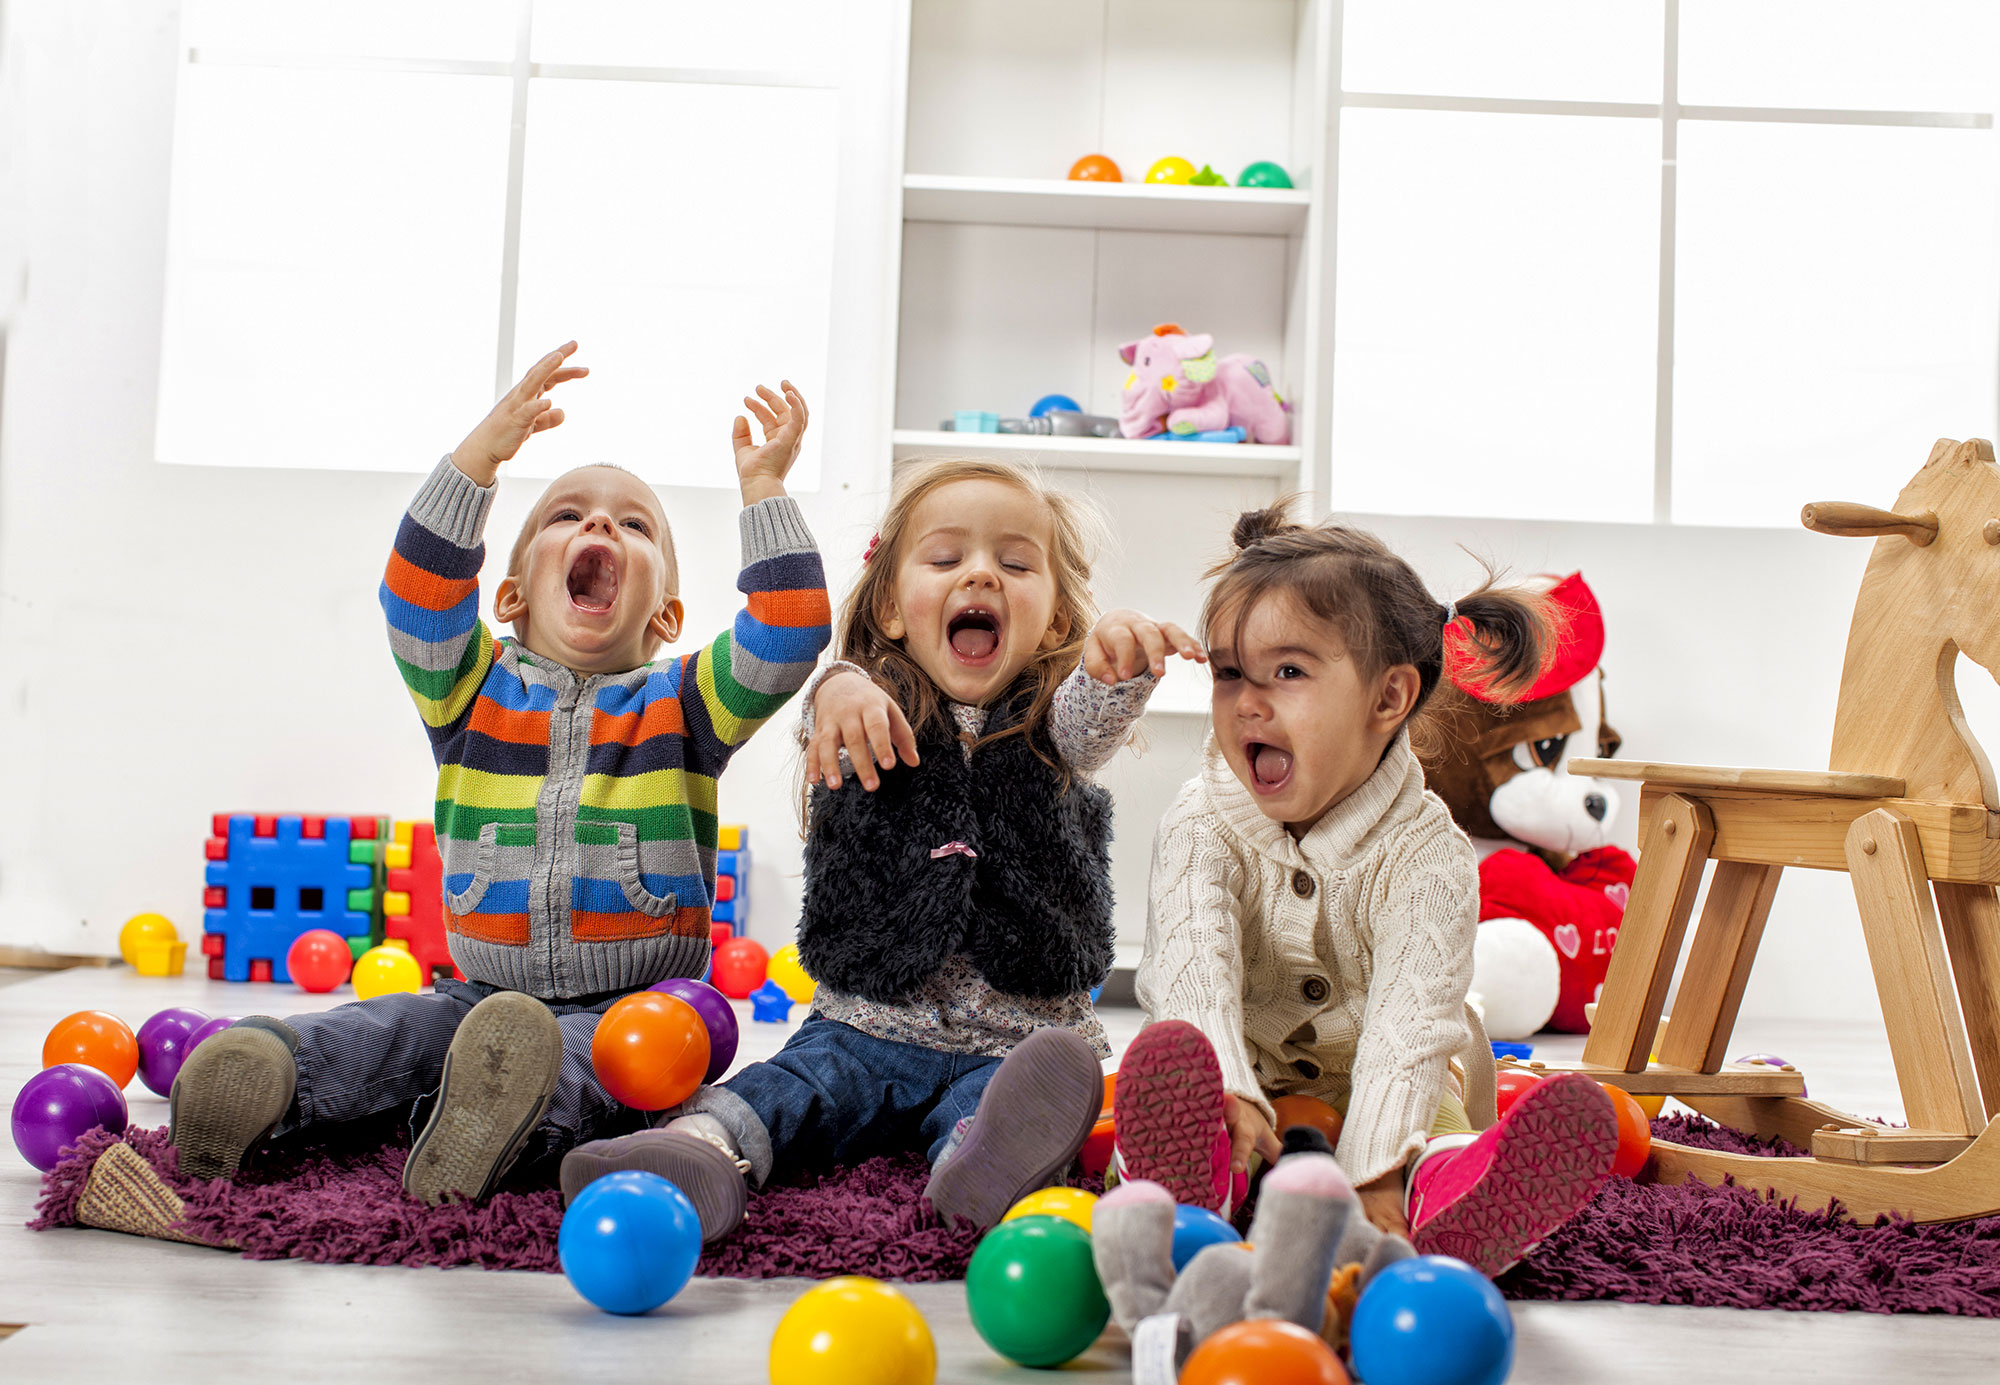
(1095, 168)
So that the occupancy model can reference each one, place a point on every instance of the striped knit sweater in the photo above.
(577, 814)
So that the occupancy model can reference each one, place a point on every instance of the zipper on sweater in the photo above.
(568, 787)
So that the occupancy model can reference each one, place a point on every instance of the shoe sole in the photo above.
(232, 1092)
(1033, 1116)
(707, 1175)
(499, 1075)
(1542, 1174)
(1167, 1110)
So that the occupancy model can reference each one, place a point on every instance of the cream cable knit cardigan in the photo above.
(1335, 966)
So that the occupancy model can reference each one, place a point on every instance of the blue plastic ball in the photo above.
(629, 1242)
(1196, 1227)
(1432, 1320)
(1050, 403)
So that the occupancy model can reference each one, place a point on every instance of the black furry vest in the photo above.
(993, 858)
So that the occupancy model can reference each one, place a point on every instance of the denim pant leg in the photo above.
(581, 1109)
(958, 1101)
(370, 1056)
(831, 1095)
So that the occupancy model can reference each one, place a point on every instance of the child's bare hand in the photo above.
(761, 470)
(522, 412)
(1249, 1132)
(850, 713)
(1125, 644)
(1382, 1204)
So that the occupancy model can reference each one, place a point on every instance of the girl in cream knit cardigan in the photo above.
(1312, 912)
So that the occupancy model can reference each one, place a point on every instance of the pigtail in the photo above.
(1505, 637)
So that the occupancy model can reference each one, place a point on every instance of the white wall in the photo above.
(179, 641)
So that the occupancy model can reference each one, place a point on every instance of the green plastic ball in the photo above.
(1033, 1293)
(1264, 174)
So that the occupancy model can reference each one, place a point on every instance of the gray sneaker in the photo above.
(713, 1179)
(231, 1093)
(499, 1076)
(1032, 1119)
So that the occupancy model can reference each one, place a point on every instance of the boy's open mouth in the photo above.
(1269, 766)
(593, 581)
(974, 634)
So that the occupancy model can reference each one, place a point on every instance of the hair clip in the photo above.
(873, 543)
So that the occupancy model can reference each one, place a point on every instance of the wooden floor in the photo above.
(78, 1307)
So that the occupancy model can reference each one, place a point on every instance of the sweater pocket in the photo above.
(489, 877)
(631, 877)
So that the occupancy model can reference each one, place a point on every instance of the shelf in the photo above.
(1105, 206)
(1103, 454)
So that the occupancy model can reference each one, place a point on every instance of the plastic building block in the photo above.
(267, 882)
(769, 1004)
(413, 903)
(975, 421)
(732, 878)
(159, 958)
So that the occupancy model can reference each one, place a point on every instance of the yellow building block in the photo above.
(729, 838)
(397, 857)
(402, 943)
(158, 957)
(406, 832)
(395, 903)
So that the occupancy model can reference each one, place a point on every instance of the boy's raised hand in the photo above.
(1124, 644)
(522, 411)
(761, 470)
(851, 713)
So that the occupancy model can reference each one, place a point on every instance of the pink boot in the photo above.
(1492, 1201)
(1168, 1113)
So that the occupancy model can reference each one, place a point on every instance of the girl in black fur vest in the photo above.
(957, 871)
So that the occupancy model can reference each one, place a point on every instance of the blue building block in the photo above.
(735, 866)
(275, 888)
(770, 1004)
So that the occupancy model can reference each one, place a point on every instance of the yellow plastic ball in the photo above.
(1172, 169)
(1651, 1104)
(1071, 1204)
(380, 970)
(144, 928)
(786, 970)
(853, 1331)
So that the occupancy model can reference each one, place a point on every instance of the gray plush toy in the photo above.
(1308, 1227)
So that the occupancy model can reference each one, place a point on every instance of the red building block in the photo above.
(414, 912)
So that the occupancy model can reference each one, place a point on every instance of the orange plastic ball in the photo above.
(650, 1050)
(1263, 1351)
(1508, 1085)
(95, 1039)
(1095, 168)
(1635, 1133)
(1110, 1093)
(1308, 1110)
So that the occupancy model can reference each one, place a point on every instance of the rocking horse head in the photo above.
(1931, 591)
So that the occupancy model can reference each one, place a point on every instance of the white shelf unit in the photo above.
(1014, 283)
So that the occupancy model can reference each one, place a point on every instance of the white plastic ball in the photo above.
(1516, 977)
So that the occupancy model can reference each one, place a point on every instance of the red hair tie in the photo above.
(873, 543)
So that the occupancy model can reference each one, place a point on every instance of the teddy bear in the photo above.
(1309, 1254)
(1499, 768)
(1179, 386)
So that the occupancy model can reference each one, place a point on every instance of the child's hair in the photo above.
(517, 556)
(1378, 604)
(1078, 533)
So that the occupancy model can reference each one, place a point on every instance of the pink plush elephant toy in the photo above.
(1177, 385)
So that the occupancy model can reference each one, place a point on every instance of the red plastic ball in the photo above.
(1307, 1110)
(1510, 1084)
(319, 960)
(739, 967)
(1263, 1351)
(650, 1050)
(1635, 1133)
(95, 1039)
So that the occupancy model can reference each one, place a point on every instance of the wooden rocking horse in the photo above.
(1908, 808)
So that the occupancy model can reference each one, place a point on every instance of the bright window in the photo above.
(382, 211)
(1692, 261)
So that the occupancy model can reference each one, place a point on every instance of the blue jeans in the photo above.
(834, 1095)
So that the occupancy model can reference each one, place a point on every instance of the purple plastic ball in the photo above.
(163, 1046)
(713, 1007)
(59, 1105)
(212, 1028)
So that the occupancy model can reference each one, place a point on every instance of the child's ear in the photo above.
(1396, 698)
(666, 622)
(510, 600)
(892, 622)
(1057, 632)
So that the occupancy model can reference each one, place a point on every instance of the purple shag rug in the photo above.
(1637, 1241)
